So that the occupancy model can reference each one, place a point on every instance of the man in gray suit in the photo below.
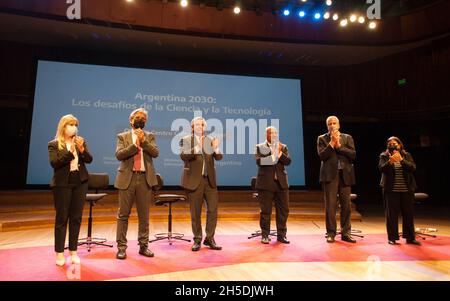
(337, 152)
(135, 177)
(272, 184)
(198, 153)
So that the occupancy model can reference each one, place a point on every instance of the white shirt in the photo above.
(74, 162)
(134, 137)
(274, 153)
(273, 149)
(198, 150)
(273, 158)
(197, 147)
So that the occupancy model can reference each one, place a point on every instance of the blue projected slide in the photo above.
(237, 110)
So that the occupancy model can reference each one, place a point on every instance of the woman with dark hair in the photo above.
(398, 184)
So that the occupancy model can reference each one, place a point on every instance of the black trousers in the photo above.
(140, 193)
(203, 193)
(394, 204)
(331, 191)
(69, 203)
(266, 198)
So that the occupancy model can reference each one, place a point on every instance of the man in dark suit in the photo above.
(337, 152)
(135, 178)
(198, 153)
(272, 184)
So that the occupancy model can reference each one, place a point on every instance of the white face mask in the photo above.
(71, 130)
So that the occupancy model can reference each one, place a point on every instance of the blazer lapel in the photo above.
(343, 140)
(193, 143)
(129, 138)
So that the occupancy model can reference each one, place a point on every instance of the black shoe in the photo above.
(196, 246)
(146, 252)
(348, 238)
(330, 238)
(392, 242)
(211, 244)
(265, 240)
(121, 254)
(283, 240)
(413, 242)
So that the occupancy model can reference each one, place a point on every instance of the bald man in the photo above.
(272, 184)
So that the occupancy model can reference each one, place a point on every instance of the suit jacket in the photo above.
(60, 161)
(388, 171)
(125, 152)
(266, 173)
(329, 157)
(193, 163)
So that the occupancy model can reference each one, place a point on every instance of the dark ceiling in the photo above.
(56, 33)
(389, 8)
(39, 31)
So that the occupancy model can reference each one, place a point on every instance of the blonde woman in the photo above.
(68, 154)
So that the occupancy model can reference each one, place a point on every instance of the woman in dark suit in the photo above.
(68, 154)
(398, 184)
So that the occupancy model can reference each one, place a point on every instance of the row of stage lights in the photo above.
(317, 16)
(335, 17)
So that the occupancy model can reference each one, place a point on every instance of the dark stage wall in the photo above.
(366, 97)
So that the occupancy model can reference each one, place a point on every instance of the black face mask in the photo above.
(392, 148)
(139, 123)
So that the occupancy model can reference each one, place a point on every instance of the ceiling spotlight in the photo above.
(352, 18)
(361, 19)
(326, 15)
(372, 25)
(317, 16)
(301, 14)
(304, 0)
(184, 3)
(343, 22)
(129, 0)
(329, 2)
(237, 10)
(286, 12)
(335, 17)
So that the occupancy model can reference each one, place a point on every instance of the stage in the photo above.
(26, 253)
(31, 209)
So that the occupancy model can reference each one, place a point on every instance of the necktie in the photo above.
(137, 160)
(204, 172)
(203, 155)
(203, 167)
(339, 161)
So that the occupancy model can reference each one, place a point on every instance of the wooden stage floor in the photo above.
(21, 210)
(243, 223)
